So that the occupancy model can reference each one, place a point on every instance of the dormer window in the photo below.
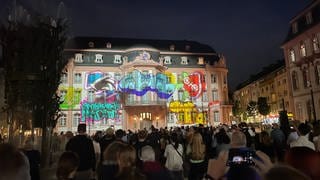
(117, 59)
(78, 58)
(187, 47)
(91, 44)
(98, 58)
(303, 51)
(294, 27)
(108, 45)
(292, 55)
(184, 60)
(309, 18)
(200, 60)
(167, 60)
(172, 47)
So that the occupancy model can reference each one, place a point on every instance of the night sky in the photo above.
(248, 32)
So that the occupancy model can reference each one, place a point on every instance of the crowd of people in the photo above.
(194, 153)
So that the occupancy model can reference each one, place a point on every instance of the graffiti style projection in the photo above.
(102, 103)
(186, 112)
(139, 83)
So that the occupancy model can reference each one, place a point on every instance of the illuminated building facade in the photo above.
(270, 83)
(136, 83)
(302, 54)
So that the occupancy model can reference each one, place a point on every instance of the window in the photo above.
(205, 96)
(216, 116)
(63, 120)
(108, 45)
(91, 96)
(78, 58)
(117, 76)
(294, 27)
(91, 44)
(279, 83)
(309, 18)
(77, 97)
(303, 52)
(98, 58)
(284, 81)
(285, 92)
(63, 94)
(299, 111)
(184, 60)
(305, 76)
(76, 119)
(292, 55)
(315, 43)
(172, 47)
(167, 60)
(317, 73)
(64, 78)
(215, 96)
(213, 78)
(201, 60)
(224, 79)
(77, 78)
(117, 59)
(295, 80)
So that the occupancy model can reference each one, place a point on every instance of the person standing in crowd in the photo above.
(126, 163)
(67, 166)
(265, 145)
(303, 140)
(107, 139)
(83, 147)
(279, 141)
(174, 157)
(14, 165)
(316, 136)
(223, 141)
(152, 168)
(196, 151)
(33, 157)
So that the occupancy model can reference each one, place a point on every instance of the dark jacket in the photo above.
(154, 171)
(83, 146)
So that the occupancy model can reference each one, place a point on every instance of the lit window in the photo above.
(213, 78)
(167, 60)
(295, 27)
(63, 94)
(305, 76)
(64, 78)
(184, 60)
(63, 120)
(77, 78)
(303, 52)
(216, 116)
(76, 119)
(117, 59)
(200, 60)
(78, 58)
(292, 55)
(315, 43)
(215, 96)
(309, 18)
(295, 80)
(98, 58)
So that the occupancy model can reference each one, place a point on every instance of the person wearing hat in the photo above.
(82, 145)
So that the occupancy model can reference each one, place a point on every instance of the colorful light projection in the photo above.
(186, 112)
(71, 98)
(92, 77)
(139, 83)
(91, 112)
(194, 84)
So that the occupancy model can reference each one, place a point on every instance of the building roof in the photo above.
(265, 71)
(300, 19)
(125, 43)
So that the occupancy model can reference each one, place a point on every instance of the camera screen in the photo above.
(241, 156)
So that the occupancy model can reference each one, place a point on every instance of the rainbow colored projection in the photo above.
(139, 83)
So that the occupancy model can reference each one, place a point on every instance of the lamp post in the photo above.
(313, 107)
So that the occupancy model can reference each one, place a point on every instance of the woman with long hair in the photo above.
(196, 152)
(67, 166)
(126, 162)
(174, 157)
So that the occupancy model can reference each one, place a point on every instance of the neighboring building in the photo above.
(302, 54)
(270, 83)
(136, 83)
